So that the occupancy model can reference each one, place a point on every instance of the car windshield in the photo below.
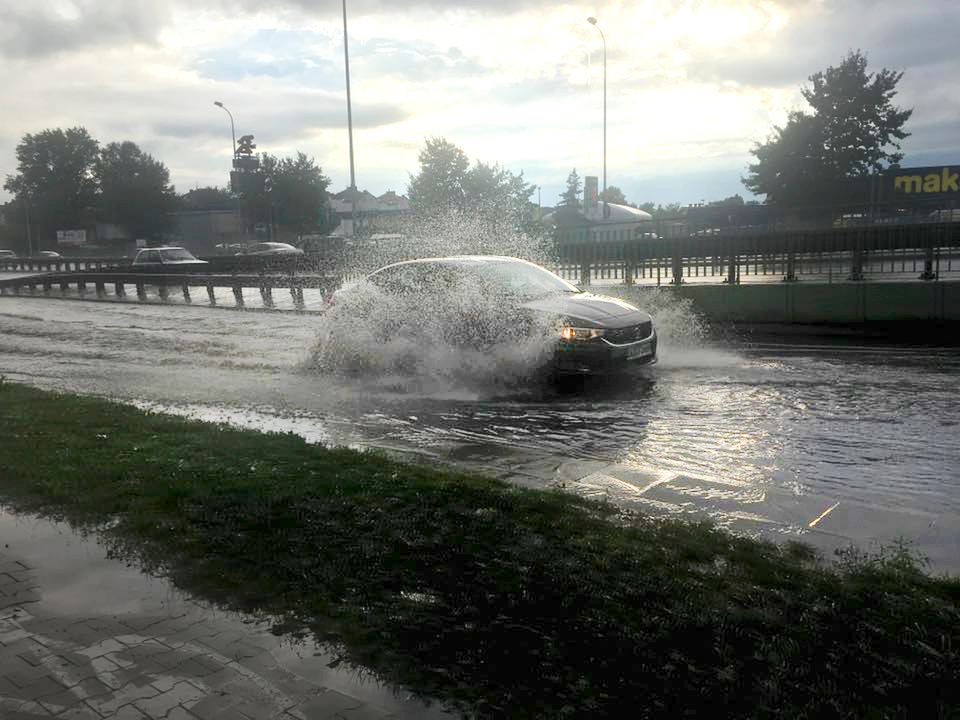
(522, 279)
(176, 254)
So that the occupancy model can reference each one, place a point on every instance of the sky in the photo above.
(691, 85)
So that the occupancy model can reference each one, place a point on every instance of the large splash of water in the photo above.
(464, 336)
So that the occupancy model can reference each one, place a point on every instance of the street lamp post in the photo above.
(233, 137)
(593, 21)
(233, 132)
(353, 181)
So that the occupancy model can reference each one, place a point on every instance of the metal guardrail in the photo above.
(736, 254)
(181, 283)
(215, 264)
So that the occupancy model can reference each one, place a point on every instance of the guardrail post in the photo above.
(928, 272)
(296, 292)
(118, 289)
(211, 295)
(266, 294)
(676, 263)
(163, 291)
(186, 293)
(733, 270)
(101, 289)
(64, 286)
(47, 287)
(238, 295)
(141, 291)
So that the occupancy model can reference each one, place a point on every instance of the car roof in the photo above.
(164, 247)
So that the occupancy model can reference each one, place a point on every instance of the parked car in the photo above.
(166, 259)
(48, 254)
(7, 254)
(594, 334)
(271, 248)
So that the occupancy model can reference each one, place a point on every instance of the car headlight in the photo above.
(570, 333)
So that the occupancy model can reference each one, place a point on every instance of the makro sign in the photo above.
(924, 182)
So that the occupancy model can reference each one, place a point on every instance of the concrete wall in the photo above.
(815, 303)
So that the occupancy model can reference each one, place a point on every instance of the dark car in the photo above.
(166, 259)
(589, 334)
(7, 254)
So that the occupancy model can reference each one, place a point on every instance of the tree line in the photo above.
(66, 179)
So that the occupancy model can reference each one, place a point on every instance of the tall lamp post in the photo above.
(593, 21)
(353, 181)
(233, 136)
(233, 132)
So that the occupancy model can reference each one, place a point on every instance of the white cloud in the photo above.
(690, 86)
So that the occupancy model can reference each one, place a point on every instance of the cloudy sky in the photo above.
(691, 84)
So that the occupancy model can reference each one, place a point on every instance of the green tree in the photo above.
(446, 182)
(853, 129)
(295, 189)
(570, 198)
(614, 195)
(55, 178)
(135, 190)
(439, 185)
(207, 198)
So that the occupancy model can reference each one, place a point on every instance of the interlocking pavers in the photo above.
(175, 660)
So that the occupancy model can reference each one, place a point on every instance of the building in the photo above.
(366, 207)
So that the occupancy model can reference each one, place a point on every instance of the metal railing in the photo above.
(930, 251)
(96, 284)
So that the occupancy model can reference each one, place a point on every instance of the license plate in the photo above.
(638, 352)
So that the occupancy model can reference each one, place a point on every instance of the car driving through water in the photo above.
(489, 300)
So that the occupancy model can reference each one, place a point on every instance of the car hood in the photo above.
(589, 310)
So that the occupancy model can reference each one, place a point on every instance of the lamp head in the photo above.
(218, 103)
(592, 20)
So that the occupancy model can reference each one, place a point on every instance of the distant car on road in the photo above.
(7, 254)
(48, 254)
(166, 259)
(271, 248)
(587, 334)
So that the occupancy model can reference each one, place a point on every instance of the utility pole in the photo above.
(353, 181)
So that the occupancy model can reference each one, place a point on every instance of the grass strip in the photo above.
(501, 601)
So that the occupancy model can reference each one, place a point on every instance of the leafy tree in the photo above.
(447, 182)
(135, 190)
(854, 129)
(570, 198)
(614, 195)
(55, 177)
(440, 183)
(296, 191)
(208, 198)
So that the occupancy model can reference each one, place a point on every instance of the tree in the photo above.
(207, 198)
(295, 189)
(614, 195)
(854, 129)
(55, 179)
(440, 183)
(570, 198)
(135, 190)
(446, 182)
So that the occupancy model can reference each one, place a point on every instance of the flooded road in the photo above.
(866, 423)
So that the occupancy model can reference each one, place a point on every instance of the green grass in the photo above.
(502, 601)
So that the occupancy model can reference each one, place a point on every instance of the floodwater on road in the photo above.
(860, 422)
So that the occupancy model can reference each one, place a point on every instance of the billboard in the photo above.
(71, 237)
(922, 183)
(590, 184)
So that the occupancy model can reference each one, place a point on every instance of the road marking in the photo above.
(824, 514)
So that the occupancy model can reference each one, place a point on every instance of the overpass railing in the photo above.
(170, 286)
(929, 251)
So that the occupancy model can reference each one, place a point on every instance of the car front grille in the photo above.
(621, 336)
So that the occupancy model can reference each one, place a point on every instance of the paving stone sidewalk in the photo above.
(180, 662)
